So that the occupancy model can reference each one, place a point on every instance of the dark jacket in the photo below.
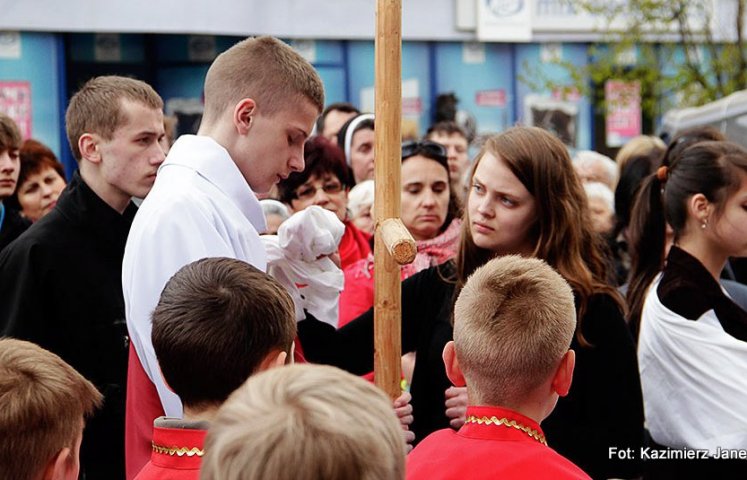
(13, 225)
(61, 288)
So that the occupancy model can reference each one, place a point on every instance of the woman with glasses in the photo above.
(429, 212)
(525, 199)
(325, 182)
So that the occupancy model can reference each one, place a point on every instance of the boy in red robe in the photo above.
(513, 323)
(218, 322)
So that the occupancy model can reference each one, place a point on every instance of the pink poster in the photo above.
(15, 101)
(491, 98)
(623, 101)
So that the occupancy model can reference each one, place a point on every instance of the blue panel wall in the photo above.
(131, 48)
(416, 73)
(494, 74)
(39, 64)
(576, 54)
(330, 63)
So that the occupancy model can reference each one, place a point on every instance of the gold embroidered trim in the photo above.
(178, 451)
(507, 423)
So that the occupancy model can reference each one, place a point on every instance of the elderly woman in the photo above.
(326, 181)
(40, 182)
(429, 211)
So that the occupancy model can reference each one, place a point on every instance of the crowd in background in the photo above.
(647, 244)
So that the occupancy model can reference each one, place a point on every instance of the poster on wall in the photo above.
(15, 101)
(557, 116)
(10, 45)
(623, 122)
(504, 21)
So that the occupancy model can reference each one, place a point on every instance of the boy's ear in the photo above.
(275, 358)
(61, 467)
(453, 372)
(89, 148)
(242, 115)
(561, 381)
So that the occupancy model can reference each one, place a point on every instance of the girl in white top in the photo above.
(692, 348)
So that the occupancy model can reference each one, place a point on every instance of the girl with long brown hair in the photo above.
(524, 199)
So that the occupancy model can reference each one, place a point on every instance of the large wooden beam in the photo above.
(389, 240)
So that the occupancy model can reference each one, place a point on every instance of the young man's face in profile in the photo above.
(274, 144)
(130, 159)
(10, 166)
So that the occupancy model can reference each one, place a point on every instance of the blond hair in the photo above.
(265, 70)
(513, 322)
(305, 422)
(43, 402)
(97, 107)
(640, 145)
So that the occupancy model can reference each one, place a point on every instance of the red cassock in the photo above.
(493, 443)
(177, 454)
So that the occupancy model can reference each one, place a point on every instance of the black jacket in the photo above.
(13, 225)
(61, 288)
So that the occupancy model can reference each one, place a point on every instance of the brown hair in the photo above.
(563, 234)
(707, 167)
(35, 157)
(306, 422)
(264, 69)
(43, 401)
(447, 128)
(513, 322)
(97, 107)
(321, 157)
(10, 136)
(344, 107)
(215, 322)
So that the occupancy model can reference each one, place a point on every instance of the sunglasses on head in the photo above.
(426, 148)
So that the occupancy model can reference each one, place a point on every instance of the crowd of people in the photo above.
(564, 317)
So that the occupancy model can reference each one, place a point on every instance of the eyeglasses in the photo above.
(307, 192)
(429, 149)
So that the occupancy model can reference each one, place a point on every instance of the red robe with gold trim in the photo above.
(177, 452)
(489, 451)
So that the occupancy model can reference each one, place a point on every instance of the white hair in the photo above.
(361, 196)
(587, 158)
(273, 207)
(601, 191)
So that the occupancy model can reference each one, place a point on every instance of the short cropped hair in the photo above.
(306, 422)
(215, 322)
(10, 136)
(513, 322)
(43, 402)
(344, 107)
(447, 128)
(97, 106)
(264, 69)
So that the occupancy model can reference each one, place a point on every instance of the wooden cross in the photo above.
(394, 246)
